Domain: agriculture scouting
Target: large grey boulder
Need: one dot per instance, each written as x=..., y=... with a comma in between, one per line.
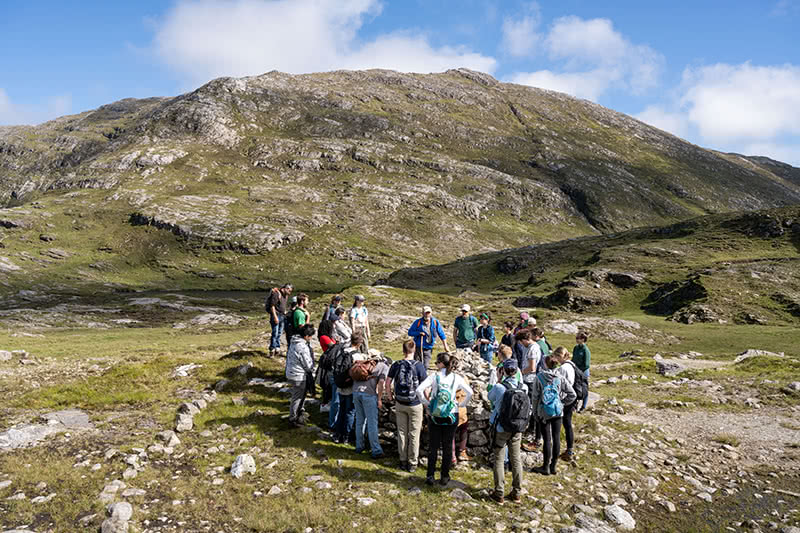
x=243, y=464
x=619, y=517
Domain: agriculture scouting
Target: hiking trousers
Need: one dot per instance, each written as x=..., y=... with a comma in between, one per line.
x=551, y=434
x=568, y=431
x=440, y=437
x=298, y=396
x=409, y=428
x=513, y=440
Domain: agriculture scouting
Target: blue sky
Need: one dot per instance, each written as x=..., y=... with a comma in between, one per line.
x=722, y=74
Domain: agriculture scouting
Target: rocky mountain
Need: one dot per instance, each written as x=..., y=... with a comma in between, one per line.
x=342, y=176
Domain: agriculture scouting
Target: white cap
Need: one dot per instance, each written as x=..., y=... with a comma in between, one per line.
x=466, y=308
x=427, y=309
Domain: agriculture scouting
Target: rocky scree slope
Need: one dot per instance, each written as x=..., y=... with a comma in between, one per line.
x=351, y=173
x=739, y=267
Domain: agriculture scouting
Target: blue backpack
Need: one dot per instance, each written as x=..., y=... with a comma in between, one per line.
x=551, y=401
x=444, y=409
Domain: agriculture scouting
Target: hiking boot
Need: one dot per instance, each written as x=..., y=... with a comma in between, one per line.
x=497, y=498
x=553, y=470
x=410, y=468
x=444, y=481
x=402, y=465
x=567, y=456
x=544, y=470
x=515, y=497
x=378, y=456
x=463, y=457
x=429, y=481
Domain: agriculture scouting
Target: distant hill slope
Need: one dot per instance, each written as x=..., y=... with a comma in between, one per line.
x=742, y=267
x=343, y=176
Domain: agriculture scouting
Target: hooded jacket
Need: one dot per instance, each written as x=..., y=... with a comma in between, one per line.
x=565, y=391
x=299, y=359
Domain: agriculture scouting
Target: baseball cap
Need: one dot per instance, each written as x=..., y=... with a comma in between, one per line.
x=511, y=363
x=360, y=297
x=427, y=309
x=465, y=307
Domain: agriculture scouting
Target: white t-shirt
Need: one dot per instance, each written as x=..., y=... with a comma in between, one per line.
x=567, y=371
x=453, y=381
x=359, y=316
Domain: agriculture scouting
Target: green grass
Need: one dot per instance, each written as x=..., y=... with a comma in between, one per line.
x=727, y=438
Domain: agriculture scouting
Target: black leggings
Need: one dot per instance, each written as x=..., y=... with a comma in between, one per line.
x=440, y=437
x=551, y=432
x=568, y=410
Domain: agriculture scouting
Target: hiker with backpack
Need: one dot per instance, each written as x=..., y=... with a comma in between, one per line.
x=496, y=375
x=330, y=396
x=299, y=369
x=581, y=356
x=368, y=378
x=487, y=343
x=401, y=387
x=424, y=331
x=550, y=393
x=329, y=311
x=465, y=327
x=300, y=315
x=359, y=321
x=511, y=411
x=438, y=394
x=275, y=305
x=528, y=356
x=345, y=417
x=544, y=346
x=572, y=375
x=508, y=335
x=288, y=325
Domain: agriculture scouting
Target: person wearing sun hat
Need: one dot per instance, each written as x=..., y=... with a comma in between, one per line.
x=523, y=322
x=424, y=331
x=465, y=328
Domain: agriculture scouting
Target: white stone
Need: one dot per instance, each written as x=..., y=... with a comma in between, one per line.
x=619, y=517
x=274, y=491
x=243, y=464
x=121, y=511
x=366, y=501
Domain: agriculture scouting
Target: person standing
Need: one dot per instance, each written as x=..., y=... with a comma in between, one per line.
x=424, y=331
x=465, y=329
x=300, y=315
x=443, y=410
x=582, y=358
x=359, y=320
x=276, y=307
x=487, y=342
x=330, y=310
x=345, y=417
x=503, y=436
x=551, y=393
x=367, y=394
x=299, y=369
x=401, y=387
x=341, y=329
x=528, y=357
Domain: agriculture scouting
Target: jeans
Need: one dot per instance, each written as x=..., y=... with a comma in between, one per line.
x=409, y=427
x=568, y=410
x=586, y=398
x=334, y=402
x=513, y=440
x=297, y=399
x=441, y=436
x=367, y=419
x=277, y=331
x=345, y=417
x=551, y=432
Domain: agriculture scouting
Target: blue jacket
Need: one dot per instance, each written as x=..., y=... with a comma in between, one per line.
x=488, y=334
x=416, y=333
x=496, y=398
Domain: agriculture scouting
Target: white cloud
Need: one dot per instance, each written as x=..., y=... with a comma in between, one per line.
x=743, y=102
x=12, y=113
x=203, y=39
x=788, y=153
x=520, y=36
x=594, y=59
x=675, y=123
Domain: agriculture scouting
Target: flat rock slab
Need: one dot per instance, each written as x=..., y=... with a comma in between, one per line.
x=30, y=434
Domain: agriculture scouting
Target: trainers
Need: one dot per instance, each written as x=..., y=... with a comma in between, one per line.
x=402, y=465
x=567, y=456
x=379, y=456
x=515, y=497
x=410, y=468
x=530, y=446
x=545, y=471
x=444, y=481
x=429, y=480
x=553, y=470
x=497, y=498
x=324, y=408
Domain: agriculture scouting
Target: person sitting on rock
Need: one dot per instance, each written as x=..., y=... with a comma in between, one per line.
x=299, y=369
x=506, y=443
x=438, y=394
x=401, y=387
x=465, y=327
x=424, y=331
x=550, y=415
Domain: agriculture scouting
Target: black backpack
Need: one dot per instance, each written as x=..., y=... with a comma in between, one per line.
x=341, y=369
x=327, y=359
x=515, y=409
x=581, y=385
x=406, y=382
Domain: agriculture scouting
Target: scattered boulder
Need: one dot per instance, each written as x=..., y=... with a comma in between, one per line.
x=748, y=354
x=119, y=515
x=619, y=517
x=696, y=313
x=5, y=355
x=673, y=296
x=669, y=368
x=243, y=464
x=183, y=422
x=511, y=265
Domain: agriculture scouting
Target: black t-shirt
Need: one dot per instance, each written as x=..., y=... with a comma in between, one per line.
x=419, y=369
x=277, y=300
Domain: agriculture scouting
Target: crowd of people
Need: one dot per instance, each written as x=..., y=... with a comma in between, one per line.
x=533, y=389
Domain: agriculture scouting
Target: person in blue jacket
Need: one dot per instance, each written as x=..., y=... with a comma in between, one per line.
x=424, y=331
x=486, y=341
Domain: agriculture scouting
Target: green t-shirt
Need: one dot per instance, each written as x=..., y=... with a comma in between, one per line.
x=298, y=318
x=465, y=329
x=581, y=356
x=543, y=345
